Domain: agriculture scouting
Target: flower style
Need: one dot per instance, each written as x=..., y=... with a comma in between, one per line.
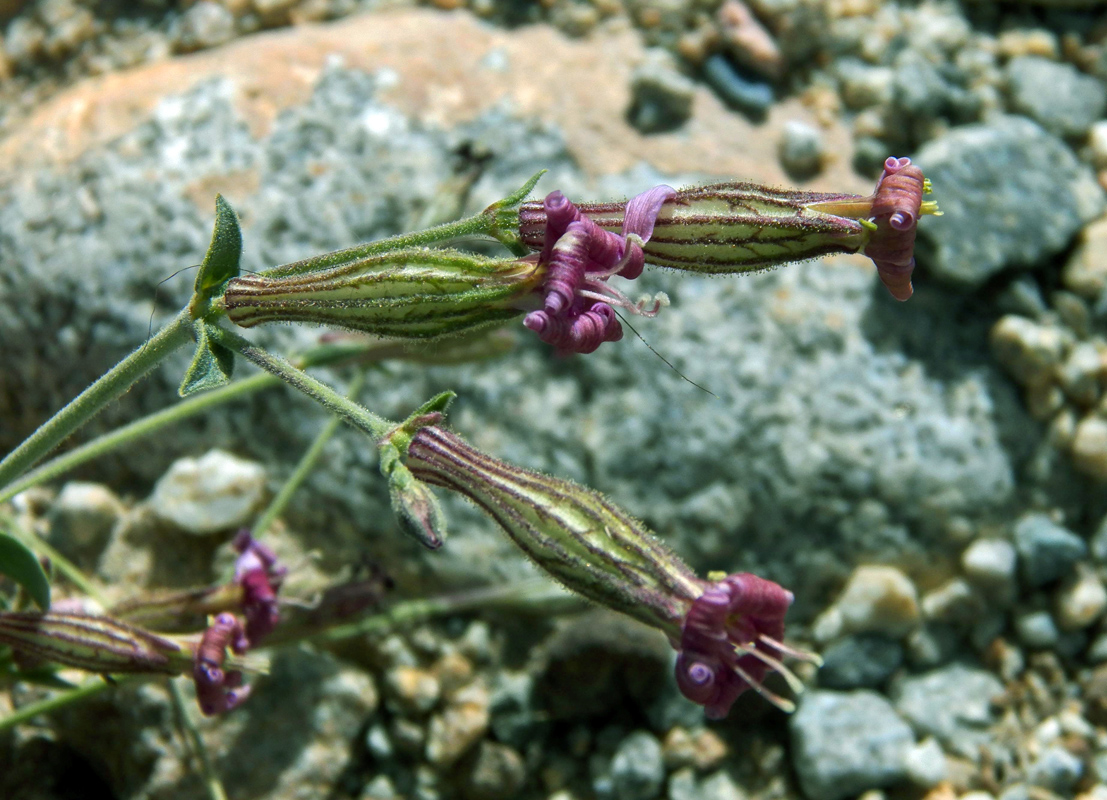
x=736, y=227
x=577, y=313
x=728, y=633
x=257, y=572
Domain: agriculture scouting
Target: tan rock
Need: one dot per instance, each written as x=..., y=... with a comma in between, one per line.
x=1089, y=447
x=460, y=726
x=1085, y=272
x=880, y=599
x=441, y=79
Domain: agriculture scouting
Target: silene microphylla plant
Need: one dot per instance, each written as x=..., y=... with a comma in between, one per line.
x=727, y=630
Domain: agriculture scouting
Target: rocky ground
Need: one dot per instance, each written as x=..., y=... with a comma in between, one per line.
x=928, y=477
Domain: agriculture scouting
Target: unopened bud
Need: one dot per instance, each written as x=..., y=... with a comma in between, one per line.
x=413, y=293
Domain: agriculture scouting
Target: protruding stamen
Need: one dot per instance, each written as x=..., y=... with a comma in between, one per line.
x=793, y=681
x=784, y=704
x=793, y=652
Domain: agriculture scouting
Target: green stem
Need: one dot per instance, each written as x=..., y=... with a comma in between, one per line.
x=92, y=400
x=207, y=769
x=541, y=594
x=53, y=703
x=306, y=465
x=102, y=445
x=360, y=417
x=137, y=430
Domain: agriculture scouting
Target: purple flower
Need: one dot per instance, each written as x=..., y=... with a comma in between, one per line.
x=731, y=638
x=219, y=691
x=257, y=572
x=895, y=211
x=728, y=633
x=577, y=313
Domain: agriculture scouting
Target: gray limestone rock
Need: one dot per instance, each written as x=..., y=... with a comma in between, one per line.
x=952, y=704
x=1057, y=96
x=845, y=743
x=1012, y=195
x=637, y=769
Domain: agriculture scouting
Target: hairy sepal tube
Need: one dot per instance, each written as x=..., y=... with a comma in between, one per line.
x=738, y=227
x=728, y=631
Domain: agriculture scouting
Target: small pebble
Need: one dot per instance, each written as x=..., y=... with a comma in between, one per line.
x=1037, y=629
x=1081, y=601
x=702, y=749
x=1089, y=447
x=1081, y=372
x=955, y=601
x=738, y=91
x=801, y=150
x=747, y=40
x=637, y=768
x=879, y=599
x=82, y=517
x=865, y=660
x=1055, y=769
x=1047, y=551
x=1031, y=352
x=990, y=563
x=412, y=689
x=206, y=24
x=216, y=492
x=661, y=96
x=459, y=726
x=926, y=764
x=496, y=773
x=1085, y=272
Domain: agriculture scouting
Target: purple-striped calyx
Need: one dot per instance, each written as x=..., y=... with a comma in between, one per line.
x=728, y=631
x=735, y=227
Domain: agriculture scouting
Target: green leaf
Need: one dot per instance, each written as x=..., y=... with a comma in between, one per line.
x=211, y=367
x=22, y=566
x=438, y=403
x=221, y=262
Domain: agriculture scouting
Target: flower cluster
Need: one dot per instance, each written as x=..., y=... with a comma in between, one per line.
x=259, y=576
x=578, y=307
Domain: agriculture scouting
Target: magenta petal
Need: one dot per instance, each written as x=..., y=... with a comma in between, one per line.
x=642, y=211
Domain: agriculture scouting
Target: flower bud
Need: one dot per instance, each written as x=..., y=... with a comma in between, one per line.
x=574, y=533
x=413, y=293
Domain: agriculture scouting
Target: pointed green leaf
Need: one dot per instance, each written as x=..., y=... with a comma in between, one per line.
x=22, y=566
x=221, y=262
x=211, y=367
x=438, y=403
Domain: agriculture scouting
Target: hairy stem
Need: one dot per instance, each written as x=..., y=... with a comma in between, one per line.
x=356, y=415
x=92, y=400
x=305, y=466
x=144, y=426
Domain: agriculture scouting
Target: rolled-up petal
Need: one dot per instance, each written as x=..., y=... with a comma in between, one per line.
x=415, y=293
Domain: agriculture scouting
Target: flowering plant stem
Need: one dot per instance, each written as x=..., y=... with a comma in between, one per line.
x=92, y=400
x=360, y=417
x=305, y=466
x=151, y=423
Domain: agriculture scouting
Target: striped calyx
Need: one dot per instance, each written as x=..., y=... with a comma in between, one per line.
x=580, y=538
x=412, y=293
x=728, y=631
x=729, y=227
x=736, y=227
x=93, y=643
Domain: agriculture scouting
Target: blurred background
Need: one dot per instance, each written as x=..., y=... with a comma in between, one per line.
x=927, y=477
